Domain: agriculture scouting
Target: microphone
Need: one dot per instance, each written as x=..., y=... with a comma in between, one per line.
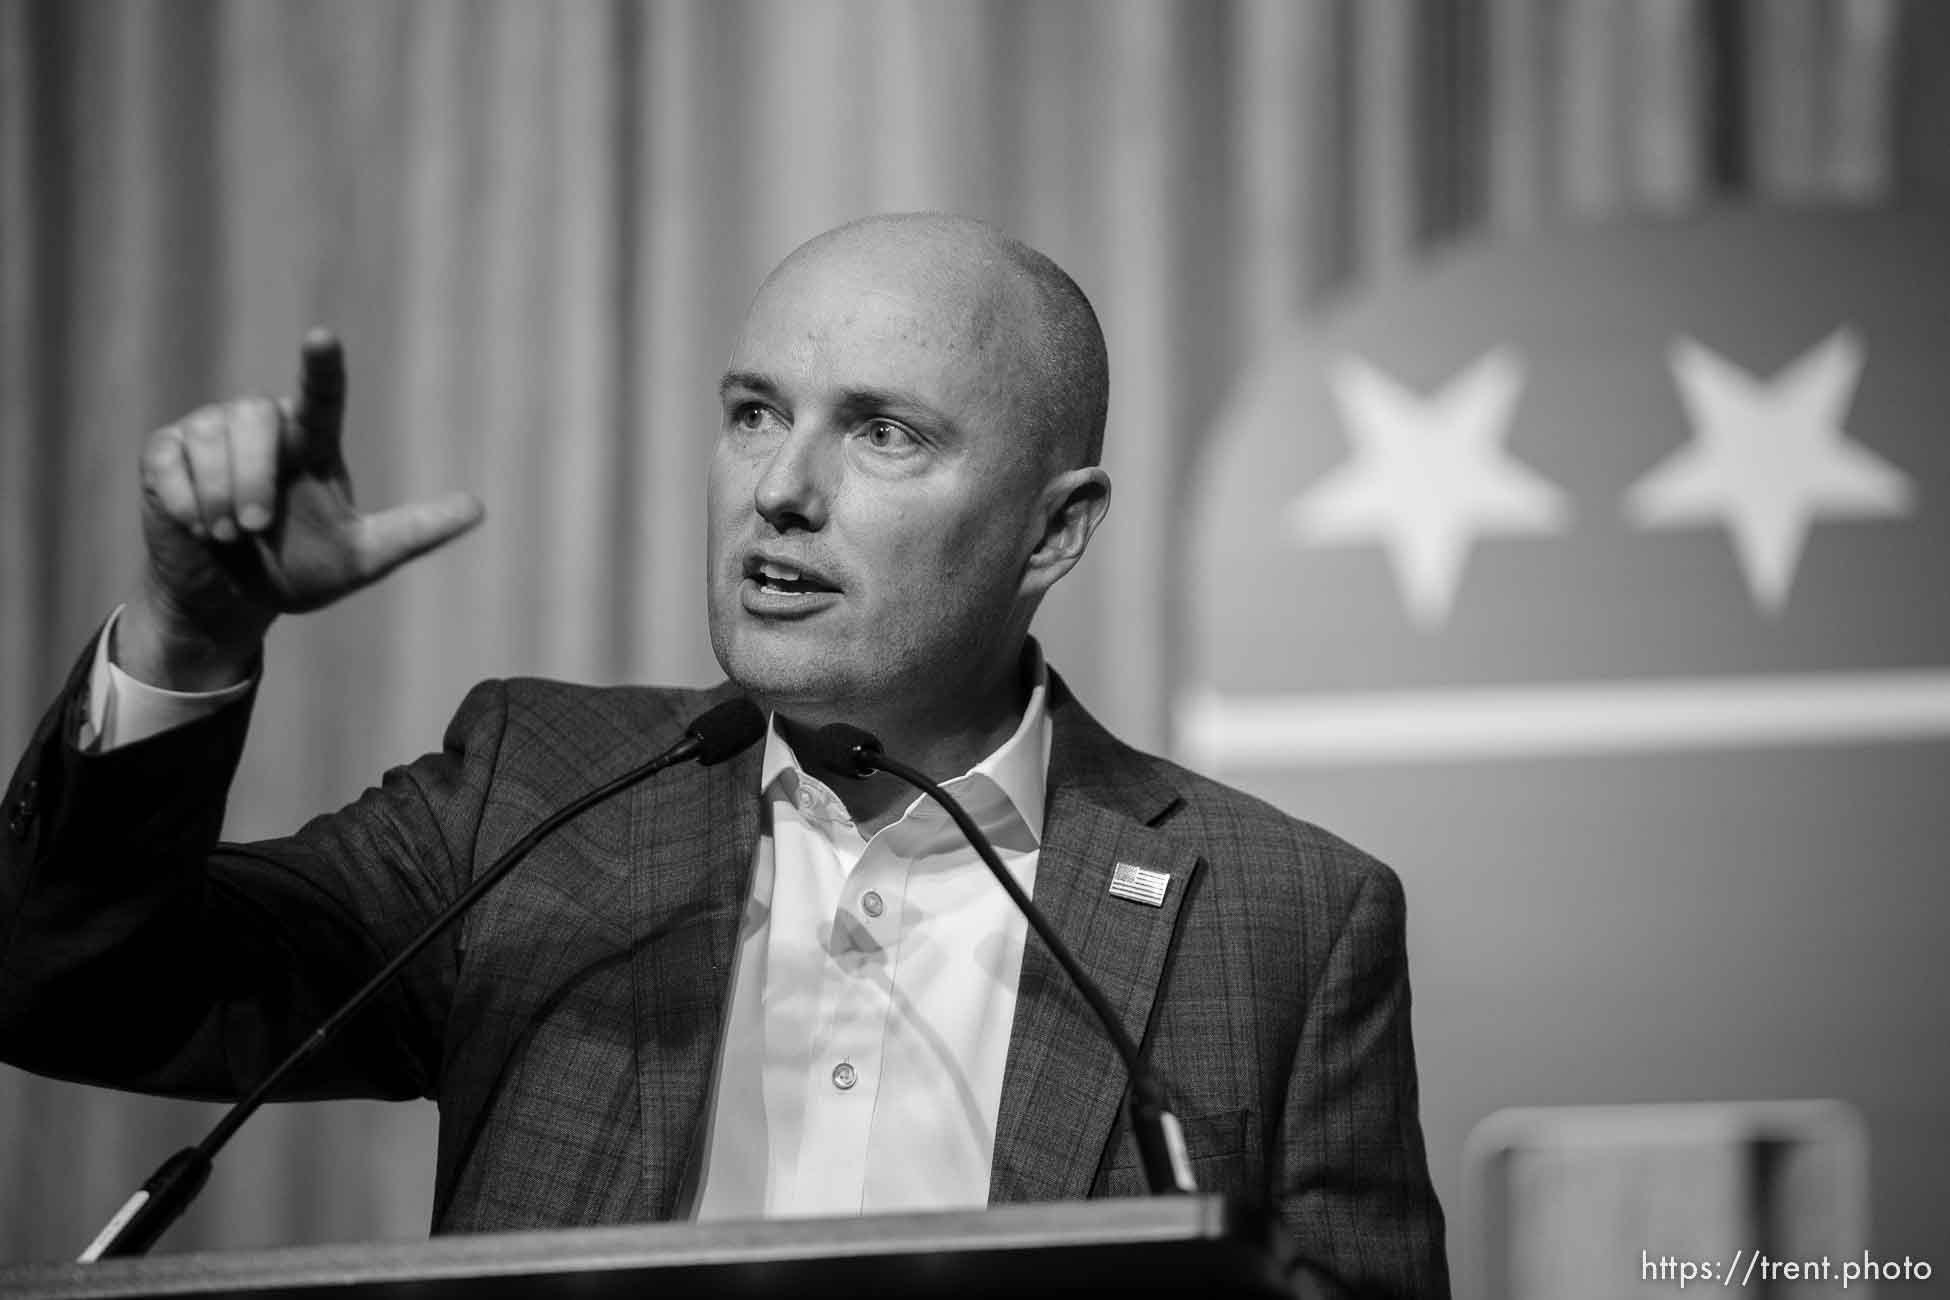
x=1161, y=1143
x=714, y=736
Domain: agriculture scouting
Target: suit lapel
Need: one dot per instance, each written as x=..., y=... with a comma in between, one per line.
x=693, y=832
x=1064, y=1083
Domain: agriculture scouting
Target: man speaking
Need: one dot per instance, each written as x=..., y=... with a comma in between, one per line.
x=766, y=987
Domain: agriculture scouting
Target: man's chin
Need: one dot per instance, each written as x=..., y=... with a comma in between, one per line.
x=808, y=687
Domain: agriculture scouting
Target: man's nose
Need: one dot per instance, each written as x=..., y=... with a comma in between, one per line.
x=792, y=491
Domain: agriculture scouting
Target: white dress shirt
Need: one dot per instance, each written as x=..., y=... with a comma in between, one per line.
x=865, y=1038
x=861, y=1067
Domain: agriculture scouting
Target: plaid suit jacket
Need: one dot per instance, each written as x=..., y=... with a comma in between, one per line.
x=569, y=1025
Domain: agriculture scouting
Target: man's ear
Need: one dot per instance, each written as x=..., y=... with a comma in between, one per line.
x=1073, y=504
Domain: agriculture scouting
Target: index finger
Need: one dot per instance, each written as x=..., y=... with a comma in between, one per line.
x=321, y=388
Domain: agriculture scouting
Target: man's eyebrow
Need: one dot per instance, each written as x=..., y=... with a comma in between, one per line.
x=750, y=380
x=885, y=399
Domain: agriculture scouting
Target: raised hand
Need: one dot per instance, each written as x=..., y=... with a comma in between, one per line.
x=247, y=513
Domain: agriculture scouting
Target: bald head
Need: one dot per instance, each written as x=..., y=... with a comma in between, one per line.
x=1006, y=296
x=912, y=414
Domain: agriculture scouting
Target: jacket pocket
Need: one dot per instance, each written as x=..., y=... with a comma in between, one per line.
x=1221, y=1145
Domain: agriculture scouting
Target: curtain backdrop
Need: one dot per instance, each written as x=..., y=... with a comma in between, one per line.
x=536, y=224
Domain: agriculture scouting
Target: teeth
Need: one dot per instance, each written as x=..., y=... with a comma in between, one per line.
x=778, y=572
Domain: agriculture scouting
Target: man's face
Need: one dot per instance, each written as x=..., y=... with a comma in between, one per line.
x=873, y=495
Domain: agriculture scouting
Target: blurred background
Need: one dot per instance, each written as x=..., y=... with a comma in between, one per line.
x=1646, y=711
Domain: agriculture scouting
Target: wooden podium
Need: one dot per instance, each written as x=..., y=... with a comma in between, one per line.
x=1197, y=1245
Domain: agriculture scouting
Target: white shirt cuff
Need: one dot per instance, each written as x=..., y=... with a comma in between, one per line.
x=122, y=710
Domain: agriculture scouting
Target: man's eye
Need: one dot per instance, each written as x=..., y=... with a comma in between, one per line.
x=885, y=435
x=749, y=416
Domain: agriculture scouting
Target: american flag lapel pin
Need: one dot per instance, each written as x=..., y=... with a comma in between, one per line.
x=1139, y=884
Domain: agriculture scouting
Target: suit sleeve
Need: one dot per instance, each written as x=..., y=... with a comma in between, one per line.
x=139, y=952
x=1359, y=1201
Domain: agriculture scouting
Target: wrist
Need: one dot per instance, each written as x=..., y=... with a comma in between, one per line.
x=157, y=645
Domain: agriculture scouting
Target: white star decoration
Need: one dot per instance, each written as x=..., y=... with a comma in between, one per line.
x=1427, y=477
x=1768, y=458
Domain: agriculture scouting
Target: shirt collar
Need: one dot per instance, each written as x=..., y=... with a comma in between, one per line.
x=1019, y=767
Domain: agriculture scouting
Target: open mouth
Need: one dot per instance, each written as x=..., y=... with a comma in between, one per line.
x=782, y=579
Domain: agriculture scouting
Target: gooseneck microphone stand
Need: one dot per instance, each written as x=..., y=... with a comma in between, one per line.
x=716, y=735
x=1161, y=1144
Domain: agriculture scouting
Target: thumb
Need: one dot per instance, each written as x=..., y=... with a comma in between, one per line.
x=389, y=538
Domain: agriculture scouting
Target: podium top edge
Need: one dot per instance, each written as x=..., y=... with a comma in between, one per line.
x=1207, y=1219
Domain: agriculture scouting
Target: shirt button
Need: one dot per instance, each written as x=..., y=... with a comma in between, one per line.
x=871, y=903
x=845, y=1076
